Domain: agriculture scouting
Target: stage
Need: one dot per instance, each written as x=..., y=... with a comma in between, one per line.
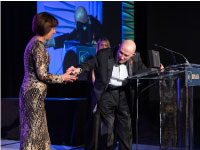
x=14, y=145
x=69, y=115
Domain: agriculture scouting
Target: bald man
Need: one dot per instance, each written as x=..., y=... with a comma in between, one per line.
x=112, y=67
x=81, y=15
x=88, y=29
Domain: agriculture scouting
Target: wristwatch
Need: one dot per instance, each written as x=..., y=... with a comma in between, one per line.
x=80, y=70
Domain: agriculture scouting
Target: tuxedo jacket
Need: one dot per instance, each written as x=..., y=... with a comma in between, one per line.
x=103, y=63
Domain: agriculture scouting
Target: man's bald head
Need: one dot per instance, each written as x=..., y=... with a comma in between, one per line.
x=129, y=46
x=81, y=15
x=126, y=50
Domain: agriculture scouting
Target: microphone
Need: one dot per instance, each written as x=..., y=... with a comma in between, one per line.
x=169, y=50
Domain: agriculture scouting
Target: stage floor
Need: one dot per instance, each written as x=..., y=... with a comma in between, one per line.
x=14, y=145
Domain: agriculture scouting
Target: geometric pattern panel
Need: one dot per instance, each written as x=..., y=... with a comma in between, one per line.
x=128, y=20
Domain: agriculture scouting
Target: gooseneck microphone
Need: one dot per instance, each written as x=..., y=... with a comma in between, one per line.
x=169, y=50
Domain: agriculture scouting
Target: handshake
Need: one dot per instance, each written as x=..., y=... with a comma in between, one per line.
x=71, y=74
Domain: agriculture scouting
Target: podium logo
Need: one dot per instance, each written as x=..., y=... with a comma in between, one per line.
x=83, y=55
x=189, y=76
x=195, y=76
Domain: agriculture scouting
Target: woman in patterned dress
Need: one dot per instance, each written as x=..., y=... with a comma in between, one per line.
x=33, y=124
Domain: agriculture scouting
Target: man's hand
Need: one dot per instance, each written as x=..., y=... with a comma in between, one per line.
x=162, y=69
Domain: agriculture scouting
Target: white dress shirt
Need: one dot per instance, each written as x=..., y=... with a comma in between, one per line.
x=119, y=74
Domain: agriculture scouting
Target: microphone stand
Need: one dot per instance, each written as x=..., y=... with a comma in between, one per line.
x=174, y=59
x=173, y=52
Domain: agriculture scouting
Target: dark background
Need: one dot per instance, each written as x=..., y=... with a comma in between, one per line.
x=175, y=25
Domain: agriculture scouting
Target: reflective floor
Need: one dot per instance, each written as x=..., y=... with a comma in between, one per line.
x=14, y=145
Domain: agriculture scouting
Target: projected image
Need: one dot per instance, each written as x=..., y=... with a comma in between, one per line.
x=80, y=26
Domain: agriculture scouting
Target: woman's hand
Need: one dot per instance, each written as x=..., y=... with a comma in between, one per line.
x=68, y=77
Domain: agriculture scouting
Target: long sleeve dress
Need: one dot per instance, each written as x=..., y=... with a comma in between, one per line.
x=33, y=124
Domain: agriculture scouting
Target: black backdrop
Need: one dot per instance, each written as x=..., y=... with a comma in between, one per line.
x=174, y=25
x=16, y=20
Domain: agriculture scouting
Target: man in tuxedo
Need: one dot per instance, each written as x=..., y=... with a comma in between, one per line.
x=88, y=30
x=112, y=67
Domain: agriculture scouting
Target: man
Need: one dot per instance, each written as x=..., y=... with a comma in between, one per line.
x=112, y=67
x=88, y=30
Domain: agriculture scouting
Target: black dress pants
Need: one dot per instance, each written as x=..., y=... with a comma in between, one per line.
x=113, y=106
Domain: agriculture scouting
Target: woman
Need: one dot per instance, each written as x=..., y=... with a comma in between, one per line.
x=33, y=124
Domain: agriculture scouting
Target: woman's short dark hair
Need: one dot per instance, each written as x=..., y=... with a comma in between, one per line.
x=42, y=23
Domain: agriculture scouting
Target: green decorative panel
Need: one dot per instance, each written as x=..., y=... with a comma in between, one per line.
x=128, y=20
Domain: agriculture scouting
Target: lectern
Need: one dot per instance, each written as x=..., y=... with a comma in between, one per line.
x=77, y=53
x=175, y=88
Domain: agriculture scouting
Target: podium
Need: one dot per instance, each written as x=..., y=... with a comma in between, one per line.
x=77, y=53
x=175, y=94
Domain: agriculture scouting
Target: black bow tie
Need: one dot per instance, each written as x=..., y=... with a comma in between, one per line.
x=118, y=64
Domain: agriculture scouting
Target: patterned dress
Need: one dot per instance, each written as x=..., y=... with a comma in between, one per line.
x=33, y=124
